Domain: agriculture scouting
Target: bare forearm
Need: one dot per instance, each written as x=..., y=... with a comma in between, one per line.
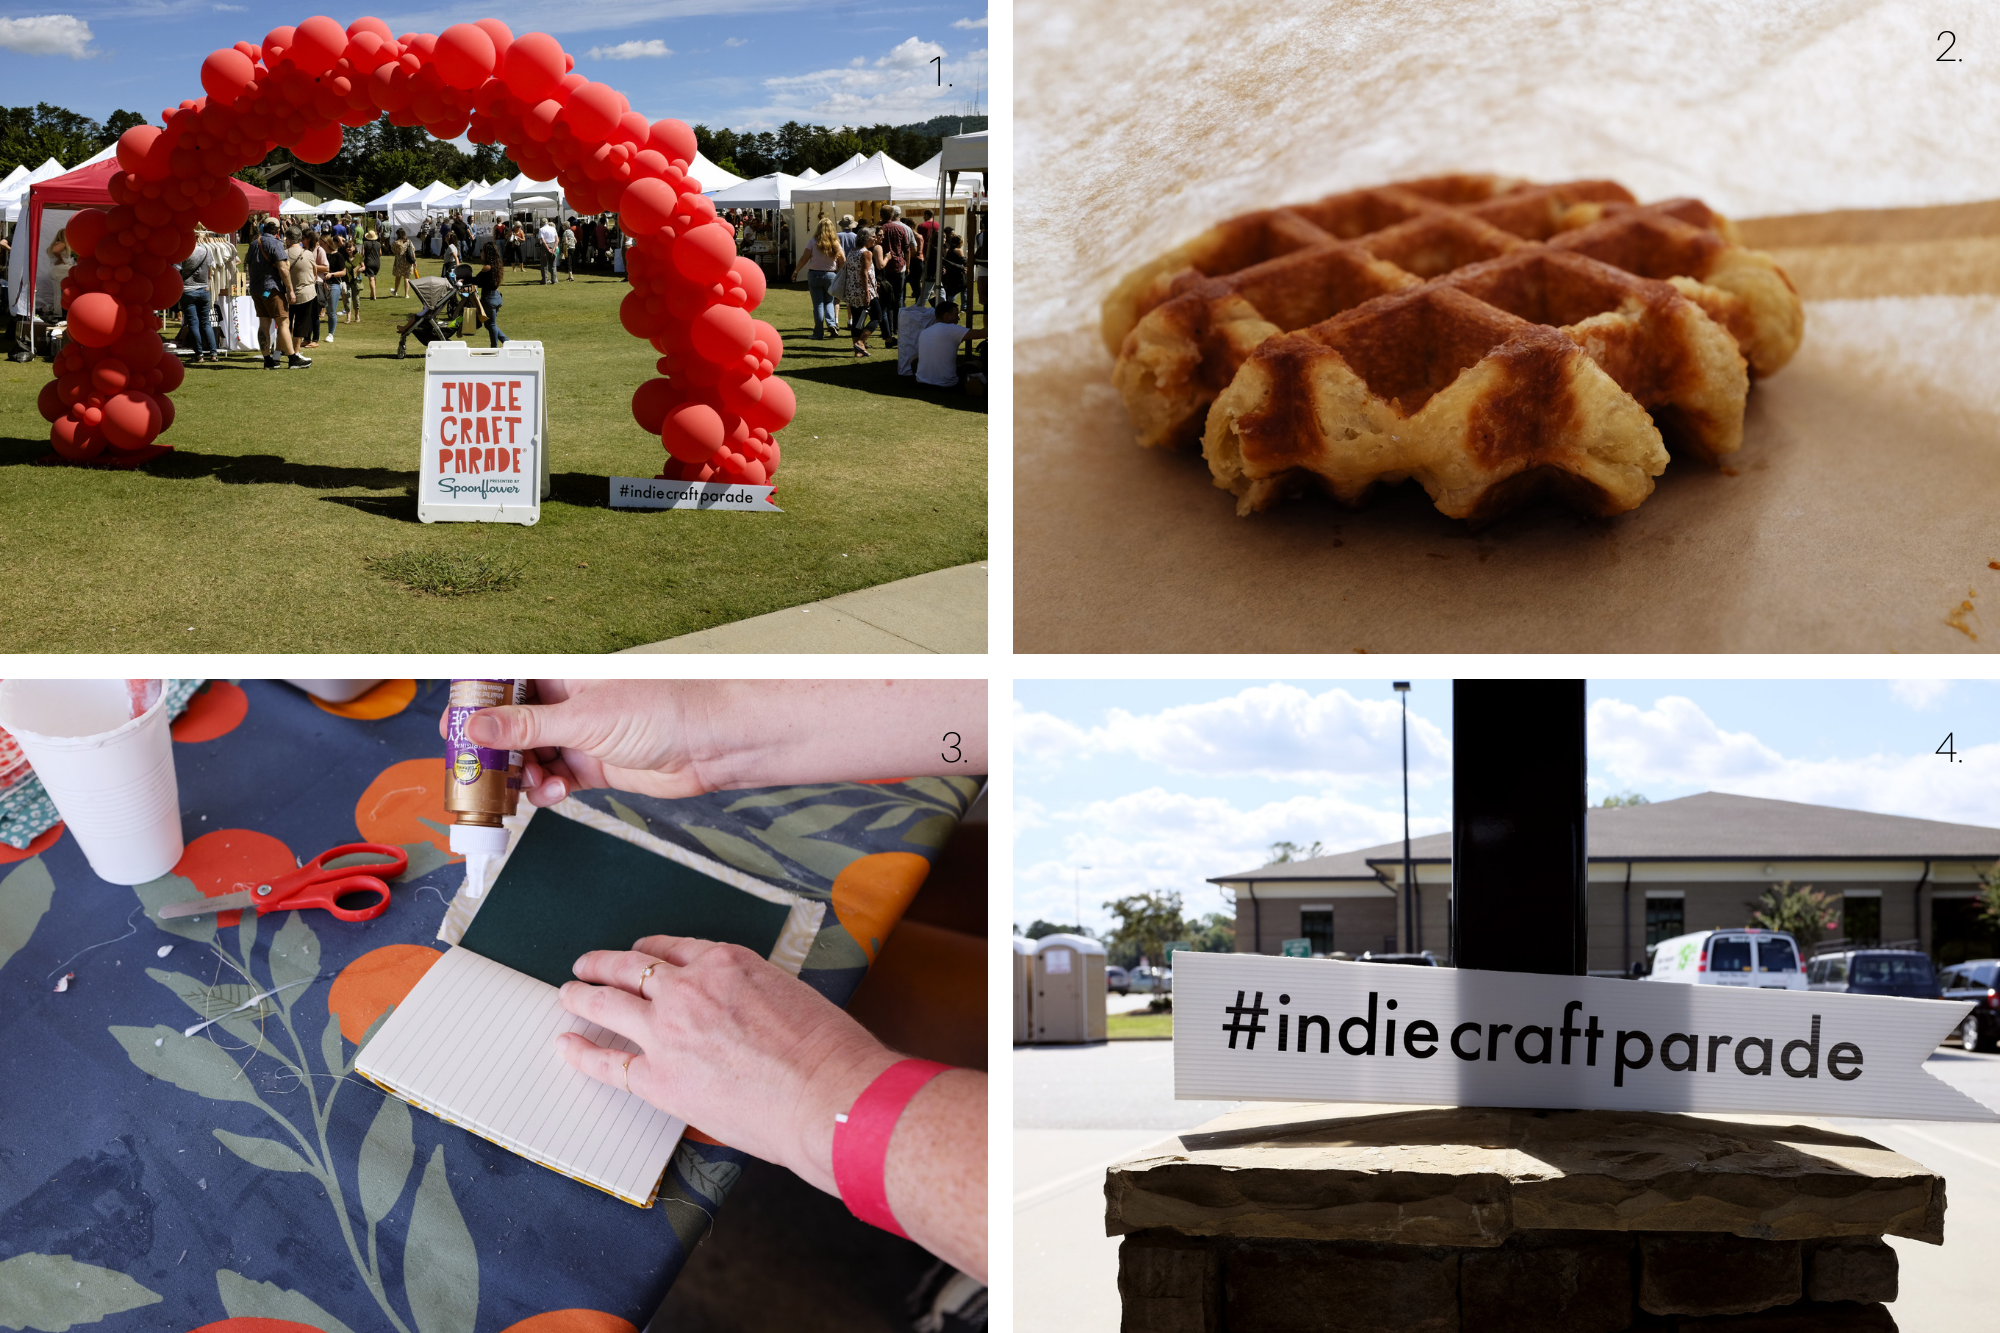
x=813, y=731
x=936, y=1172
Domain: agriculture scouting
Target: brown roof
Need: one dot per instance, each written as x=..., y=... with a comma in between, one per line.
x=1713, y=826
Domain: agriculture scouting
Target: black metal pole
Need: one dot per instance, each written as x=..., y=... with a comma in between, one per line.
x=1517, y=839
x=1410, y=940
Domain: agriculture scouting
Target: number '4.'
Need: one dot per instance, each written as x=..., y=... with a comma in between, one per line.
x=1945, y=749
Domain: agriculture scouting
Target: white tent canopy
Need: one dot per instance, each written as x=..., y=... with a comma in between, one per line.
x=14, y=193
x=808, y=175
x=410, y=210
x=340, y=206
x=292, y=208
x=968, y=183
x=879, y=177
x=768, y=191
x=965, y=152
x=395, y=196
x=712, y=177
x=109, y=150
x=462, y=197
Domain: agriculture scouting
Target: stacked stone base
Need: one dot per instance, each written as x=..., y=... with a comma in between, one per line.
x=1537, y=1282
x=1289, y=1219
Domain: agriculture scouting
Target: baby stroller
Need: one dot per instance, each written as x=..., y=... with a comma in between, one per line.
x=442, y=322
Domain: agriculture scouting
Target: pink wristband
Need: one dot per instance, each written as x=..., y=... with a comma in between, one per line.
x=861, y=1140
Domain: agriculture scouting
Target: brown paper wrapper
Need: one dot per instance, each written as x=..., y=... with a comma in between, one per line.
x=1862, y=514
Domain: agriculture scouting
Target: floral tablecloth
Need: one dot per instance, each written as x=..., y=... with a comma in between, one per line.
x=242, y=1181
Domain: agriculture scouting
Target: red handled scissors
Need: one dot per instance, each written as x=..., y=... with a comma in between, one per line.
x=313, y=884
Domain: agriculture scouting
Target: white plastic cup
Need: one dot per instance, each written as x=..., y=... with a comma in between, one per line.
x=111, y=775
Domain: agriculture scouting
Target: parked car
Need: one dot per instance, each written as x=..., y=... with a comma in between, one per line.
x=1118, y=979
x=1151, y=980
x=1976, y=981
x=1904, y=972
x=1763, y=959
x=1424, y=959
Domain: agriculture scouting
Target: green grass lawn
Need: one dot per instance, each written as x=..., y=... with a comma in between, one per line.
x=285, y=518
x=1128, y=1026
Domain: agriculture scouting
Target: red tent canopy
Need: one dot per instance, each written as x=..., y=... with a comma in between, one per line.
x=90, y=187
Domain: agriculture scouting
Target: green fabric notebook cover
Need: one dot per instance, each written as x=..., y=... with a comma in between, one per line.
x=567, y=889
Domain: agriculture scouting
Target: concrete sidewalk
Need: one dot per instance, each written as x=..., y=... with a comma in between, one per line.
x=943, y=611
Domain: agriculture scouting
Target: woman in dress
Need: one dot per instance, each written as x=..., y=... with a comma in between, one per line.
x=858, y=291
x=371, y=261
x=488, y=283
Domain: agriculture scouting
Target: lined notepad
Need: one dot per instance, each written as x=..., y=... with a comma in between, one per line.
x=475, y=1044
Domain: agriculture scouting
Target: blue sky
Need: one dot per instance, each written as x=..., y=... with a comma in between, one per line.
x=747, y=65
x=1163, y=784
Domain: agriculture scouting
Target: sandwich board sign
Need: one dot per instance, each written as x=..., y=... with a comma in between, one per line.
x=1252, y=1027
x=485, y=434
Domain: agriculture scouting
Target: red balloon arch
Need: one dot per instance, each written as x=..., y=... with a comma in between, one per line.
x=716, y=404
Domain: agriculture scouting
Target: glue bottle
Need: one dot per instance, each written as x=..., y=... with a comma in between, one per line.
x=482, y=786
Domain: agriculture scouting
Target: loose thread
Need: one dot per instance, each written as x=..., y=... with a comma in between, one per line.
x=255, y=999
x=131, y=929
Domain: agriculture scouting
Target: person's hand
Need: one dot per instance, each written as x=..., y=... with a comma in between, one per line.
x=633, y=735
x=728, y=1042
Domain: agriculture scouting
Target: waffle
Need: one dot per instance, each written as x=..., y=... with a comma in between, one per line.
x=1493, y=339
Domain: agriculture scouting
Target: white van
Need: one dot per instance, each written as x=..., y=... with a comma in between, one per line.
x=1762, y=959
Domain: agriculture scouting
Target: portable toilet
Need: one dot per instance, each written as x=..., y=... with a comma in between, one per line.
x=1024, y=982
x=1068, y=1000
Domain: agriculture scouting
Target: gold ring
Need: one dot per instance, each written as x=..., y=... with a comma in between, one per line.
x=642, y=980
x=628, y=1071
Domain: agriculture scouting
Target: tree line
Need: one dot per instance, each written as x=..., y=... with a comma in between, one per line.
x=31, y=135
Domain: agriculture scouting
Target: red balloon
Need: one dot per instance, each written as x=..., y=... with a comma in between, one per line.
x=651, y=402
x=532, y=66
x=85, y=230
x=172, y=372
x=139, y=348
x=110, y=375
x=672, y=139
x=694, y=433
x=276, y=43
x=317, y=45
x=76, y=441
x=774, y=343
x=226, y=73
x=694, y=208
x=227, y=210
x=321, y=143
x=167, y=290
x=540, y=121
x=723, y=333
x=96, y=319
x=704, y=252
x=750, y=279
x=502, y=35
x=646, y=207
x=134, y=145
x=740, y=393
x=131, y=420
x=375, y=26
x=592, y=110
x=639, y=321
x=776, y=406
x=50, y=404
x=633, y=129
x=465, y=55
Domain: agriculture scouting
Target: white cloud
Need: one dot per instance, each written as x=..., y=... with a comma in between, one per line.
x=47, y=35
x=898, y=86
x=969, y=23
x=232, y=9
x=736, y=41
x=629, y=50
x=1675, y=742
x=910, y=54
x=1156, y=840
x=1279, y=732
x=1919, y=694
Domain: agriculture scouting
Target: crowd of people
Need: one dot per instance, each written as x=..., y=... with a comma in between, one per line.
x=872, y=269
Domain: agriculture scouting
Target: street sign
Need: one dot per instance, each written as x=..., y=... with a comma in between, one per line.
x=485, y=434
x=1257, y=1028
x=1295, y=948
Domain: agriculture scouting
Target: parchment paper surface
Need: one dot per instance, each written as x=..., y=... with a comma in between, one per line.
x=1864, y=509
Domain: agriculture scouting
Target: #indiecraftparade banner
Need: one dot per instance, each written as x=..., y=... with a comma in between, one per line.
x=1250, y=1027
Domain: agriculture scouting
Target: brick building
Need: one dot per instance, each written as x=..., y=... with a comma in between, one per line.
x=1657, y=870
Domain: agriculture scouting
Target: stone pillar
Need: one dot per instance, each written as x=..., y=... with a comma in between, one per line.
x=1467, y=1220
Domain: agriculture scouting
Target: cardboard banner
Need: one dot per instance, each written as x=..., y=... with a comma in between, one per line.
x=485, y=434
x=654, y=493
x=1249, y=1027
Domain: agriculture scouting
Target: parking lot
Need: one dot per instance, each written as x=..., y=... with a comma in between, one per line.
x=1078, y=1109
